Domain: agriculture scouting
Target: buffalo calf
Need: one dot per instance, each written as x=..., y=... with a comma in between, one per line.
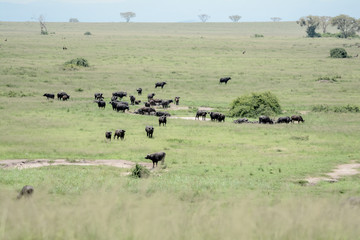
x=108, y=135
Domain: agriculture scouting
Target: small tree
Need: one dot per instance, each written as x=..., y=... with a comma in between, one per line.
x=275, y=19
x=43, y=29
x=73, y=20
x=324, y=22
x=127, y=15
x=204, y=17
x=347, y=25
x=311, y=23
x=235, y=18
x=338, y=53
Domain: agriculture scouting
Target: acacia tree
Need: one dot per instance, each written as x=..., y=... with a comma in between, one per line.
x=73, y=20
x=311, y=23
x=275, y=19
x=43, y=28
x=204, y=17
x=324, y=22
x=127, y=15
x=347, y=25
x=235, y=18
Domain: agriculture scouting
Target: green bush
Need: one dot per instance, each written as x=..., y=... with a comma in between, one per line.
x=78, y=62
x=254, y=105
x=140, y=171
x=87, y=33
x=258, y=35
x=338, y=53
x=337, y=109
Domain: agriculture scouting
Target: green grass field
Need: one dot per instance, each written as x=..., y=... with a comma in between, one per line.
x=220, y=180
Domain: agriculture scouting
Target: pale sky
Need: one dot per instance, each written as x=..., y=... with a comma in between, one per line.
x=173, y=10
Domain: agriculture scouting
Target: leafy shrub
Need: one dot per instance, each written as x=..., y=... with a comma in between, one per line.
x=258, y=35
x=337, y=109
x=140, y=171
x=87, y=33
x=254, y=105
x=338, y=53
x=78, y=62
x=43, y=32
x=310, y=31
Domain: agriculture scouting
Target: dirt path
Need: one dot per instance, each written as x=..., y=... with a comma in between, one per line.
x=24, y=163
x=342, y=170
x=189, y=118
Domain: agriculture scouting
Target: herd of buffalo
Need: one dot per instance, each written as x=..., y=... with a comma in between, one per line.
x=121, y=106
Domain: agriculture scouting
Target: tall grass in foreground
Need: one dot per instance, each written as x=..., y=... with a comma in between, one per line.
x=122, y=215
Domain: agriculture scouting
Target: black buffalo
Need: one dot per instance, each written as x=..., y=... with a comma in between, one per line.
x=137, y=102
x=224, y=80
x=159, y=114
x=162, y=120
x=156, y=157
x=65, y=97
x=119, y=133
x=215, y=116
x=150, y=96
x=297, y=118
x=201, y=113
x=147, y=110
x=121, y=107
x=26, y=191
x=115, y=103
x=98, y=96
x=160, y=84
x=165, y=103
x=60, y=95
x=108, y=135
x=265, y=120
x=120, y=94
x=177, y=99
x=139, y=91
x=49, y=95
x=149, y=131
x=283, y=120
x=101, y=103
x=132, y=99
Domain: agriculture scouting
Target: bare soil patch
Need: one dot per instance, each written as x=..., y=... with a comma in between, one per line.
x=340, y=171
x=24, y=163
x=188, y=118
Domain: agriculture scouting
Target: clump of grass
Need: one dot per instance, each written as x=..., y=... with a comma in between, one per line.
x=300, y=138
x=87, y=33
x=256, y=35
x=140, y=171
x=12, y=94
x=77, y=62
x=79, y=90
x=349, y=108
x=328, y=78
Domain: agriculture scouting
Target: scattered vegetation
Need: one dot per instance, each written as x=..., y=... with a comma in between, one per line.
x=254, y=105
x=77, y=62
x=258, y=35
x=140, y=171
x=79, y=90
x=87, y=33
x=338, y=109
x=338, y=53
x=330, y=79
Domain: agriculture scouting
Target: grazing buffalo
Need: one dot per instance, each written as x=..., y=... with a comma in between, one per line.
x=162, y=120
x=265, y=119
x=114, y=98
x=120, y=94
x=215, y=116
x=98, y=96
x=121, y=107
x=159, y=114
x=137, y=102
x=224, y=80
x=119, y=133
x=115, y=103
x=108, y=135
x=283, y=120
x=26, y=191
x=165, y=103
x=132, y=99
x=201, y=114
x=297, y=118
x=149, y=131
x=49, y=95
x=156, y=157
x=177, y=99
x=65, y=97
x=60, y=95
x=160, y=84
x=241, y=120
x=150, y=96
x=147, y=104
x=100, y=103
x=139, y=91
x=147, y=110
x=221, y=117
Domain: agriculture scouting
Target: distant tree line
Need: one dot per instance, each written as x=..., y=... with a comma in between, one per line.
x=347, y=25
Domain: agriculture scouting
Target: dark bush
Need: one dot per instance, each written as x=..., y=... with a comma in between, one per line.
x=140, y=171
x=258, y=35
x=78, y=62
x=254, y=105
x=87, y=33
x=310, y=31
x=338, y=53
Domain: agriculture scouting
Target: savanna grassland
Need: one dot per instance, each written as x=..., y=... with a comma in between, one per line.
x=220, y=180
